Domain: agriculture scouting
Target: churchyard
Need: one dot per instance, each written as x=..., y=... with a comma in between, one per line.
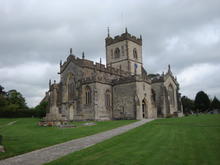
x=188, y=140
x=21, y=135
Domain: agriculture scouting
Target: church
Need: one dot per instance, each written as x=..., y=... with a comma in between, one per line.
x=121, y=89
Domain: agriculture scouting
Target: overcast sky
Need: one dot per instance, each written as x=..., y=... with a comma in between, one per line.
x=36, y=34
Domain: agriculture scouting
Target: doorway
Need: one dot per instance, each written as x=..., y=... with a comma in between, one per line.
x=144, y=108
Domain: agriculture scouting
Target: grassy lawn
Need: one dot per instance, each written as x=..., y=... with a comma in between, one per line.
x=24, y=135
x=177, y=141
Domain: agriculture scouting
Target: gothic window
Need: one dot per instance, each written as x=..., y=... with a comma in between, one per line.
x=135, y=53
x=107, y=99
x=69, y=88
x=153, y=95
x=122, y=50
x=112, y=53
x=117, y=53
x=70, y=91
x=88, y=95
x=171, y=94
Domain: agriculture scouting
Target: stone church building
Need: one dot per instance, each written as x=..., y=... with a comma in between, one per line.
x=121, y=89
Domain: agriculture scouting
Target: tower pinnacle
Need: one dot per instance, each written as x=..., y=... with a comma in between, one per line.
x=126, y=30
x=83, y=55
x=71, y=51
x=108, y=32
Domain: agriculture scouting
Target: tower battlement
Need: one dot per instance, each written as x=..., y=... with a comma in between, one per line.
x=124, y=36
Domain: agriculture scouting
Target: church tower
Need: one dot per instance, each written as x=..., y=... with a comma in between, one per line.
x=125, y=52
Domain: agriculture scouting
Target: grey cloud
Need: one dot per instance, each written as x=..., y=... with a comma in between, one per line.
x=42, y=31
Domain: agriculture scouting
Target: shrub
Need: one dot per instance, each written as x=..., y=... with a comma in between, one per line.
x=169, y=116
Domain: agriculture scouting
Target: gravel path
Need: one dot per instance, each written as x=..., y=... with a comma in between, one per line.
x=48, y=154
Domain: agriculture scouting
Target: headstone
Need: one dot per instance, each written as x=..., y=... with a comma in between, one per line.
x=2, y=149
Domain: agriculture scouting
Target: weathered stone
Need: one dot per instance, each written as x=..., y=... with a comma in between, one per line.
x=120, y=90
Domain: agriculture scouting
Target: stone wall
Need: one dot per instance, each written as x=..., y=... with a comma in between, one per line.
x=86, y=111
x=123, y=101
x=102, y=112
x=169, y=81
x=144, y=93
x=134, y=95
x=159, y=90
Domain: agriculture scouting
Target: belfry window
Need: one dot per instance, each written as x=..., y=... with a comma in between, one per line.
x=88, y=95
x=135, y=53
x=117, y=53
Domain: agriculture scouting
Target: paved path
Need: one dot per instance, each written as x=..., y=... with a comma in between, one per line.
x=48, y=154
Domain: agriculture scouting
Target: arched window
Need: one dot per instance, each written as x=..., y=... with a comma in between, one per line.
x=122, y=50
x=117, y=53
x=135, y=53
x=153, y=95
x=88, y=95
x=171, y=94
x=69, y=88
x=108, y=99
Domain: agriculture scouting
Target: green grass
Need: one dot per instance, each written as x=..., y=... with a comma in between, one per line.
x=176, y=141
x=24, y=135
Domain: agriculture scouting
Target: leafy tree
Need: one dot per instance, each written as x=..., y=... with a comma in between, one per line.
x=41, y=109
x=12, y=104
x=215, y=104
x=202, y=102
x=2, y=92
x=188, y=105
x=16, y=98
x=3, y=102
x=3, y=98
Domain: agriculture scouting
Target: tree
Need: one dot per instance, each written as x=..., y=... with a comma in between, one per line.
x=202, y=102
x=3, y=102
x=188, y=105
x=41, y=109
x=16, y=98
x=215, y=104
x=2, y=92
x=3, y=99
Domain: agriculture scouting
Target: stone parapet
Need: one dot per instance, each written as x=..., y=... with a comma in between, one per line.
x=95, y=79
x=132, y=78
x=90, y=64
x=124, y=36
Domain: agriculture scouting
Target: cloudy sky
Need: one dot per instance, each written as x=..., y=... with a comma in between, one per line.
x=36, y=34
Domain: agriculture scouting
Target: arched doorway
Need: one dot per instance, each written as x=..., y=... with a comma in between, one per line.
x=144, y=109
